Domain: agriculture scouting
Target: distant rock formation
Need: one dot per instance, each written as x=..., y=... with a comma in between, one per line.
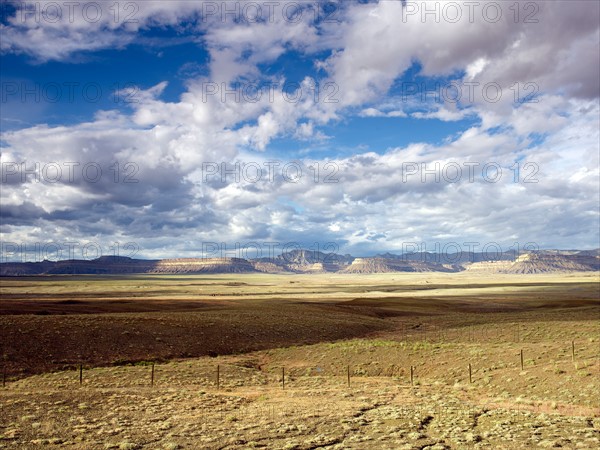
x=489, y=266
x=304, y=261
x=123, y=265
x=385, y=265
x=312, y=262
x=203, y=265
x=543, y=262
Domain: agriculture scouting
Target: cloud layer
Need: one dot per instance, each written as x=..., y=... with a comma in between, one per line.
x=163, y=183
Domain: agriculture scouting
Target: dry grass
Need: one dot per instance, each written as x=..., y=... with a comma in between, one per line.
x=315, y=327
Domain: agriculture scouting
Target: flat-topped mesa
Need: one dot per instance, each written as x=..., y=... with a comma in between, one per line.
x=102, y=266
x=368, y=265
x=203, y=265
x=384, y=265
x=221, y=260
x=529, y=263
x=489, y=266
x=533, y=263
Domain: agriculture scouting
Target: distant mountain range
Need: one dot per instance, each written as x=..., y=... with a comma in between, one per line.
x=307, y=261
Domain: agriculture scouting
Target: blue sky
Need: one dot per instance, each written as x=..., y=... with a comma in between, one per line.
x=361, y=101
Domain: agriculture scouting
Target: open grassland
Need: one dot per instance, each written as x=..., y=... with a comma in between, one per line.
x=223, y=345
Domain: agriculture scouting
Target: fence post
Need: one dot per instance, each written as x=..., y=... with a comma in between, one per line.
x=573, y=351
x=152, y=376
x=411, y=375
x=521, y=359
x=348, y=373
x=218, y=376
x=470, y=374
x=80, y=374
x=283, y=378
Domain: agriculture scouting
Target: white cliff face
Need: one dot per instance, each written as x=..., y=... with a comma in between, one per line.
x=490, y=266
x=524, y=257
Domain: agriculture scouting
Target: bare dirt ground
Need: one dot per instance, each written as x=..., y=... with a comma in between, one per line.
x=344, y=345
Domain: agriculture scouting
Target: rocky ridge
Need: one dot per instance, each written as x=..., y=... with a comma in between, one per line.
x=307, y=261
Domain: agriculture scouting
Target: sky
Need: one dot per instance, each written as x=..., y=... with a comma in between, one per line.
x=159, y=129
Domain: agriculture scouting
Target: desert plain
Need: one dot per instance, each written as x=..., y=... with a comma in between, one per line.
x=303, y=361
